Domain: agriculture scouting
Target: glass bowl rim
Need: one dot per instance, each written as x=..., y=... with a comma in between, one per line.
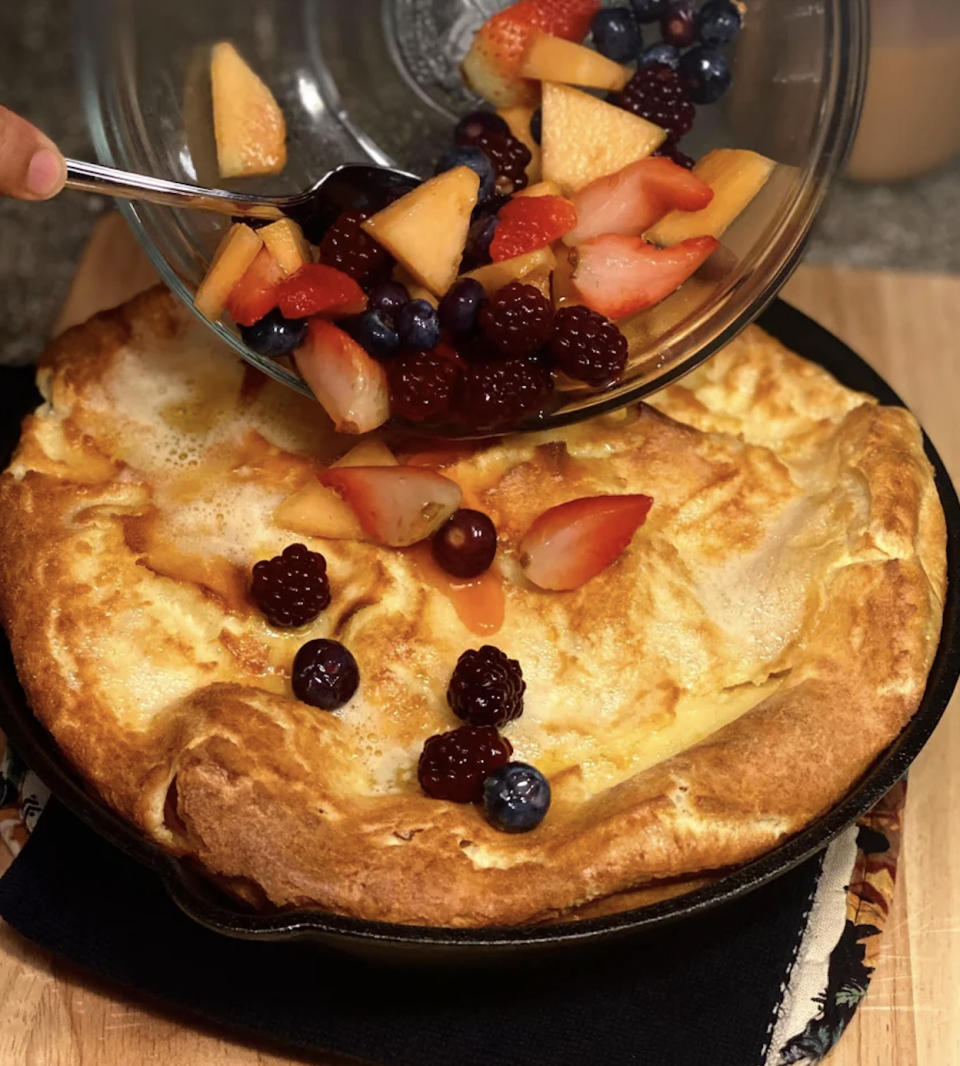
x=846, y=61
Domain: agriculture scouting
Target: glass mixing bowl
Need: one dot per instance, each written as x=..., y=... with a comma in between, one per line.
x=378, y=80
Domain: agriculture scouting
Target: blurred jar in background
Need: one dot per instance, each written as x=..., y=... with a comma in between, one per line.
x=911, y=116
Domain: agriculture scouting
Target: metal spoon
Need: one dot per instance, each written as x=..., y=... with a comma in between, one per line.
x=336, y=191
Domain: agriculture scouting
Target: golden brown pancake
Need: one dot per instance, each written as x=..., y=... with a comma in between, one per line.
x=722, y=684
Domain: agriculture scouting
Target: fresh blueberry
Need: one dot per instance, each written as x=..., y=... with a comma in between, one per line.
x=478, y=161
x=418, y=325
x=461, y=305
x=720, y=22
x=536, y=125
x=616, y=34
x=649, y=10
x=274, y=335
x=705, y=75
x=477, y=251
x=325, y=674
x=387, y=298
x=372, y=332
x=679, y=24
x=516, y=798
x=490, y=207
x=661, y=54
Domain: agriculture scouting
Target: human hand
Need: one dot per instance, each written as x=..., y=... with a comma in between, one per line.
x=31, y=168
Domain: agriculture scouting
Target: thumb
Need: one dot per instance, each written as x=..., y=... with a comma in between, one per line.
x=31, y=168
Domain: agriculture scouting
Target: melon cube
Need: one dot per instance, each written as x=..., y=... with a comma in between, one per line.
x=585, y=138
x=237, y=250
x=426, y=230
x=249, y=126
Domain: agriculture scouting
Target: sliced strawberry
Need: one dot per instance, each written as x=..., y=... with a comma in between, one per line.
x=573, y=542
x=618, y=276
x=492, y=66
x=529, y=223
x=630, y=201
x=256, y=293
x=350, y=385
x=316, y=289
x=396, y=505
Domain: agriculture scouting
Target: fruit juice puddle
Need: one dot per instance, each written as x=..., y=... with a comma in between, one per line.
x=479, y=601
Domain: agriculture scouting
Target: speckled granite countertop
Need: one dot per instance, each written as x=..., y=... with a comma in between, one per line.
x=909, y=227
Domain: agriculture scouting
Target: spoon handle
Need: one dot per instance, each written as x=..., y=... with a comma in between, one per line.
x=91, y=177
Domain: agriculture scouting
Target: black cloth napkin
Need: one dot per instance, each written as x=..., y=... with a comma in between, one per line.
x=700, y=993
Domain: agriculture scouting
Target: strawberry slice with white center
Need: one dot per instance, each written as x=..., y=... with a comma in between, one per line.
x=350, y=385
x=618, y=276
x=635, y=198
x=395, y=505
x=575, y=541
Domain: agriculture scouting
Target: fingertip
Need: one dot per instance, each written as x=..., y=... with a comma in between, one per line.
x=46, y=173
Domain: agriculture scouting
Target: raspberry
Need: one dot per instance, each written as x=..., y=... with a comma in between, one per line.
x=422, y=385
x=671, y=151
x=291, y=589
x=348, y=248
x=516, y=319
x=495, y=395
x=510, y=157
x=656, y=94
x=588, y=347
x=486, y=688
x=453, y=765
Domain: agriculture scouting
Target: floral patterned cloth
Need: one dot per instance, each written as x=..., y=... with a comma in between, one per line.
x=836, y=951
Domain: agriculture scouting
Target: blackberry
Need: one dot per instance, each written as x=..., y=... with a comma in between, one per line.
x=348, y=248
x=588, y=347
x=510, y=158
x=325, y=674
x=656, y=94
x=486, y=688
x=516, y=319
x=516, y=798
x=291, y=589
x=466, y=544
x=422, y=385
x=495, y=395
x=671, y=151
x=454, y=765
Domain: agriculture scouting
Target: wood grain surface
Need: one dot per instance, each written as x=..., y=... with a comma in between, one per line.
x=908, y=327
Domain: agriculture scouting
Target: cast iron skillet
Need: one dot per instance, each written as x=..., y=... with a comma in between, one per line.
x=202, y=902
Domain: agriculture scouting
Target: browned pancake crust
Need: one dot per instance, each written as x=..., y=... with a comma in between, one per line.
x=266, y=793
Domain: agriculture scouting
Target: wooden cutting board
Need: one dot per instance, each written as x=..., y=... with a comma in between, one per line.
x=908, y=327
